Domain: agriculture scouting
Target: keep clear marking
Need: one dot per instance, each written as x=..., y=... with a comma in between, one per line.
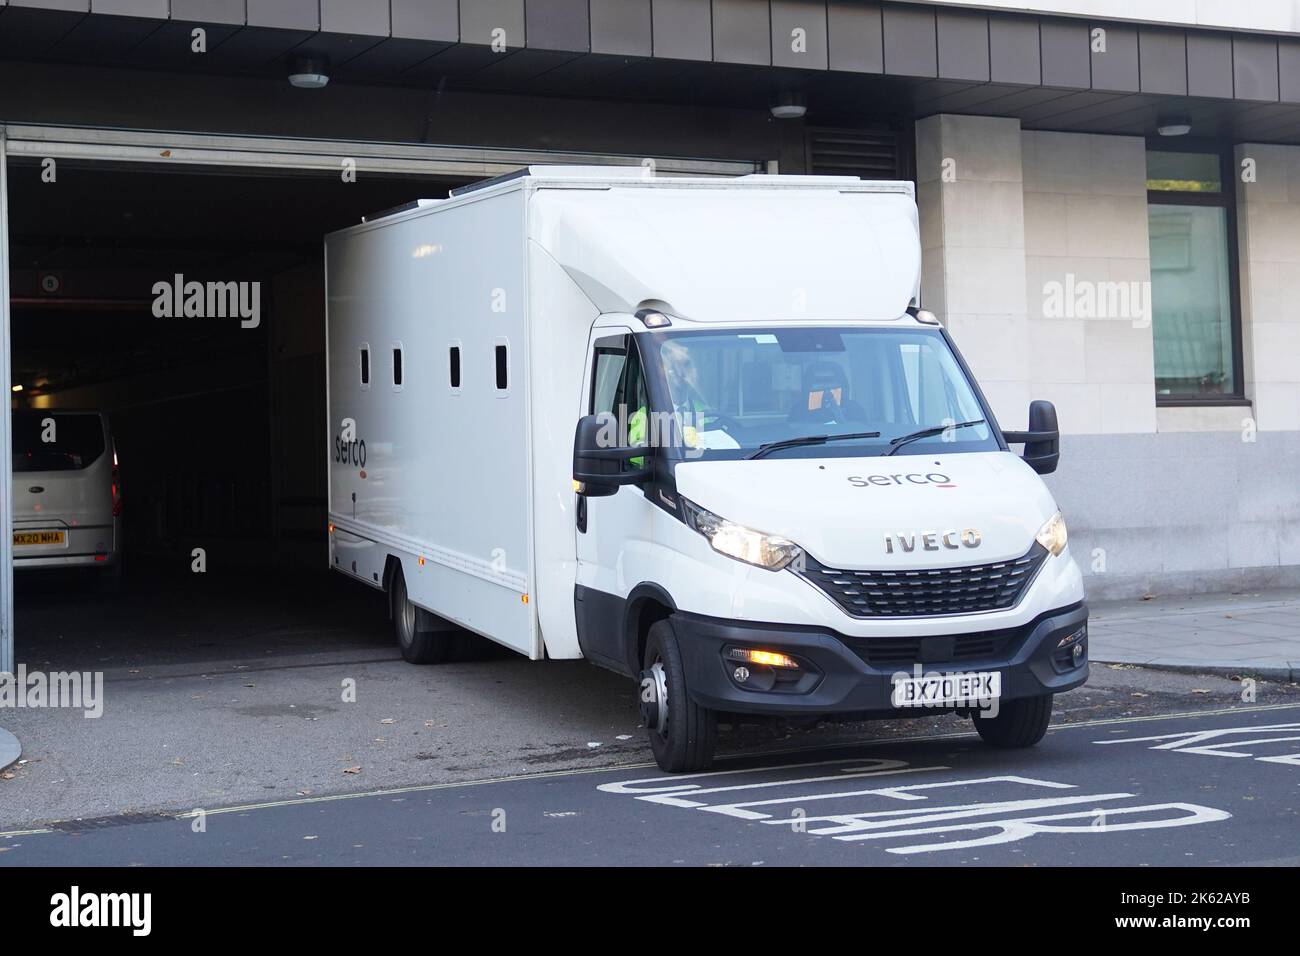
x=946, y=814
x=1226, y=742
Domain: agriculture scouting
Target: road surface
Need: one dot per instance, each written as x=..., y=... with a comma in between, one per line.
x=1215, y=787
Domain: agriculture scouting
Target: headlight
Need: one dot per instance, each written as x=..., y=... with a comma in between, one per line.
x=1052, y=535
x=744, y=544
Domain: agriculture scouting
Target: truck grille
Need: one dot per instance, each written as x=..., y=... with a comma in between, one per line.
x=927, y=592
x=901, y=651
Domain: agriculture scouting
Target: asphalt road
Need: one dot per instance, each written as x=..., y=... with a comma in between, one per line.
x=1215, y=787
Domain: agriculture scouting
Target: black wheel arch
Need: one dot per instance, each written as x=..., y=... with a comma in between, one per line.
x=646, y=604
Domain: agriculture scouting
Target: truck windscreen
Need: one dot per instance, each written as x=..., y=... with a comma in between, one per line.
x=733, y=391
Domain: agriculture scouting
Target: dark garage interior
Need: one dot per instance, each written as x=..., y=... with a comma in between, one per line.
x=218, y=427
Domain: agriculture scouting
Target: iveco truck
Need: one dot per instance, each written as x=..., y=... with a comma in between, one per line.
x=698, y=432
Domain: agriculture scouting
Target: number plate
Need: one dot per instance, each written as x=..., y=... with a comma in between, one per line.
x=46, y=538
x=938, y=689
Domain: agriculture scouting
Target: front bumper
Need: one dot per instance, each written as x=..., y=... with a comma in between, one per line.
x=48, y=562
x=842, y=674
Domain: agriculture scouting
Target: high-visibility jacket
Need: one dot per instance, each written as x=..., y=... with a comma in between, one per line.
x=638, y=426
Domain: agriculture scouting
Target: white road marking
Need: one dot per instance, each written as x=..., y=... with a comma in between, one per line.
x=1223, y=742
x=1011, y=831
x=893, y=793
x=869, y=821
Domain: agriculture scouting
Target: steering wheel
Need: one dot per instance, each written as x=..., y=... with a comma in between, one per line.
x=725, y=422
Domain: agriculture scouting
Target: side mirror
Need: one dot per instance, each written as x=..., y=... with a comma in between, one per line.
x=1043, y=439
x=598, y=459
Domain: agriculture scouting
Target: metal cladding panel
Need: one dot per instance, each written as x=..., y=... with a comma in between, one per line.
x=153, y=9
x=621, y=27
x=285, y=14
x=1209, y=65
x=558, y=25
x=1115, y=68
x=210, y=11
x=911, y=48
x=70, y=6
x=1014, y=52
x=482, y=21
x=1288, y=68
x=1162, y=58
x=360, y=17
x=855, y=37
x=426, y=20
x=1065, y=54
x=742, y=32
x=683, y=29
x=1254, y=68
x=963, y=44
x=799, y=34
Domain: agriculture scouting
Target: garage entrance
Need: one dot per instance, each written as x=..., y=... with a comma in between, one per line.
x=216, y=415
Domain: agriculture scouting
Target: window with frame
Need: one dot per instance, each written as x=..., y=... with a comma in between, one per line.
x=1195, y=319
x=618, y=388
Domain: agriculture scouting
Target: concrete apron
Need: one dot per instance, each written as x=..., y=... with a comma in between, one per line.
x=10, y=749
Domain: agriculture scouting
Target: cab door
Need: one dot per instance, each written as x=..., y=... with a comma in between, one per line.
x=613, y=532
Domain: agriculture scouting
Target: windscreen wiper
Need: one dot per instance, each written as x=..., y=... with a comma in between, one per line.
x=901, y=440
x=763, y=450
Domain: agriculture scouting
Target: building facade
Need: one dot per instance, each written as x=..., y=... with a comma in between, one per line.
x=1108, y=194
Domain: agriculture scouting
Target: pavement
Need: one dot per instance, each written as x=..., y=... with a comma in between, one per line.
x=1251, y=634
x=1179, y=789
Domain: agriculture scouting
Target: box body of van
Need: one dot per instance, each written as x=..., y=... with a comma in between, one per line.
x=697, y=432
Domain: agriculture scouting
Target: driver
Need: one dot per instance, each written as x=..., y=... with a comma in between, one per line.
x=826, y=396
x=690, y=410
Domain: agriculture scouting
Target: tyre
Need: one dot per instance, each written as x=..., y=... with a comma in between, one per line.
x=1019, y=723
x=683, y=734
x=417, y=646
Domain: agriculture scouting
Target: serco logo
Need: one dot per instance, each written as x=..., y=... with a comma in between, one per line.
x=932, y=478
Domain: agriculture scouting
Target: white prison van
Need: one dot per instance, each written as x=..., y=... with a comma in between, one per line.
x=697, y=432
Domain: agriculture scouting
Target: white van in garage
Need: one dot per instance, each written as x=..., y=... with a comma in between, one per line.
x=697, y=432
x=67, y=494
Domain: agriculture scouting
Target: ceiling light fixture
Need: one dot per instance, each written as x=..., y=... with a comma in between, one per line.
x=309, y=72
x=1174, y=126
x=789, y=106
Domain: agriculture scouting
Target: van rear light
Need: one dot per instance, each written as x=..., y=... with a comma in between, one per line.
x=117, y=489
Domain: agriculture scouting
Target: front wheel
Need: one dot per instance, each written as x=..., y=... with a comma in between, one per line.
x=1019, y=723
x=417, y=647
x=683, y=734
